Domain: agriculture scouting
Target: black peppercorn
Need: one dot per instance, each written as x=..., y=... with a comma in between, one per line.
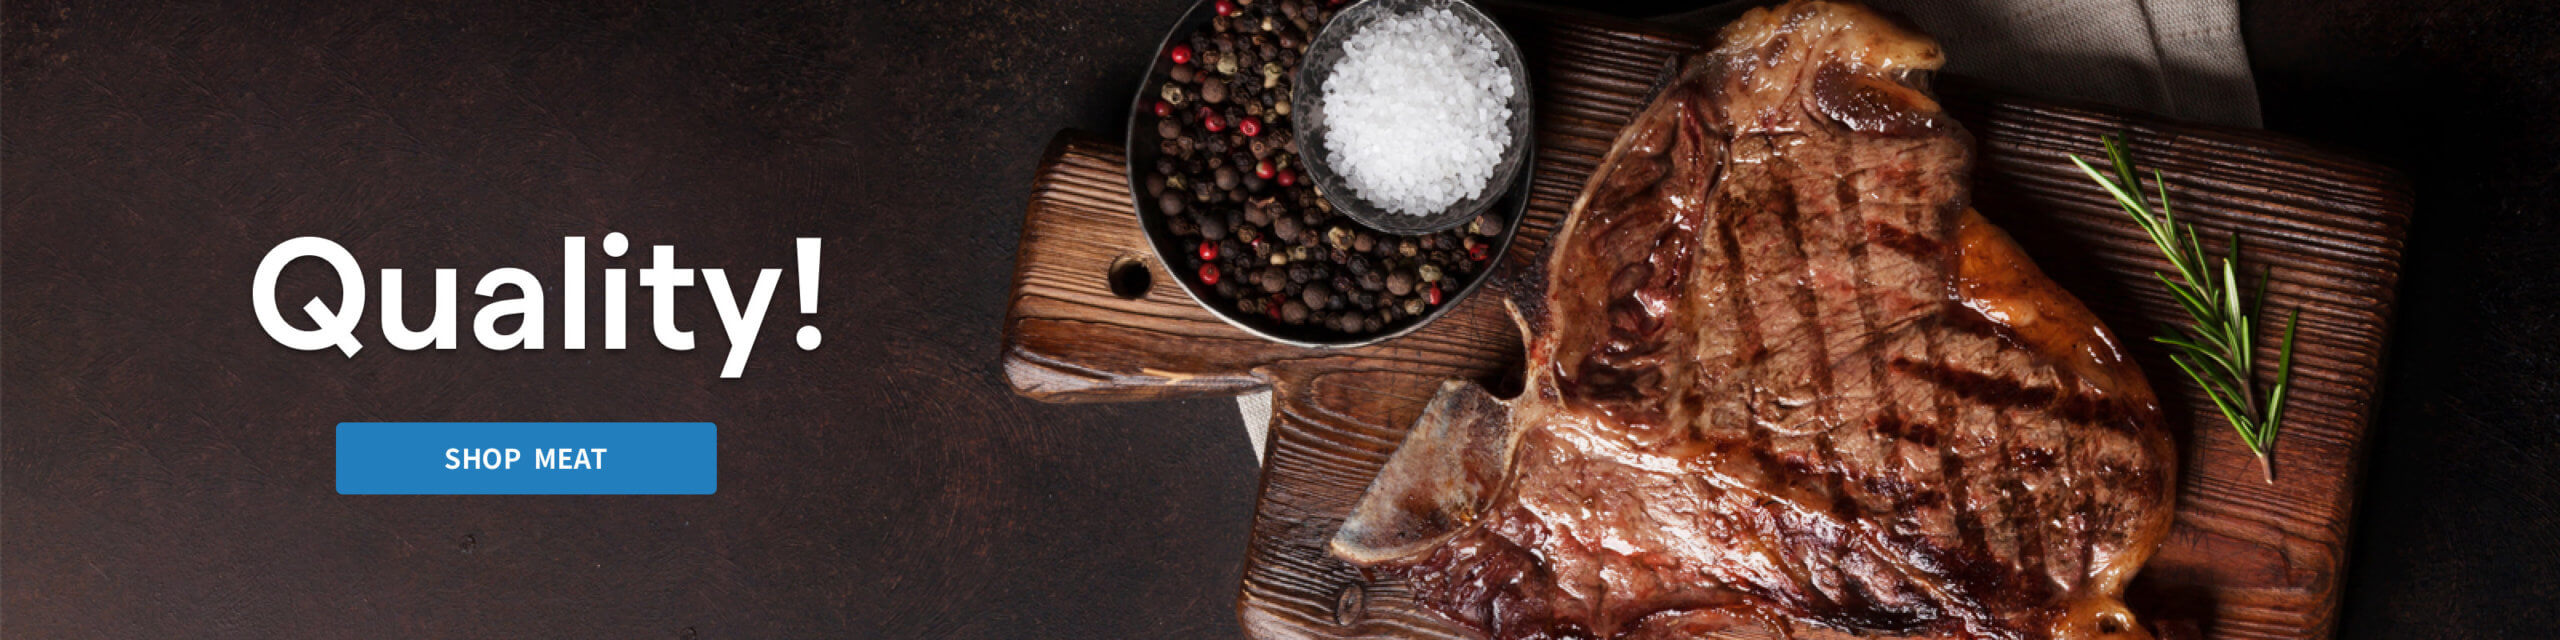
x=1212, y=227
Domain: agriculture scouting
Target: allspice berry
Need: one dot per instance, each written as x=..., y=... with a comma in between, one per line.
x=1271, y=279
x=1213, y=227
x=1317, y=295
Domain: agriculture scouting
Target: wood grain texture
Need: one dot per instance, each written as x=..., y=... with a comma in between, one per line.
x=2246, y=559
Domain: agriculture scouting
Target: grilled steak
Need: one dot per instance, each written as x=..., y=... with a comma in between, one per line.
x=1780, y=374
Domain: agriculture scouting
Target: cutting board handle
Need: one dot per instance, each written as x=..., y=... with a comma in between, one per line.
x=1094, y=318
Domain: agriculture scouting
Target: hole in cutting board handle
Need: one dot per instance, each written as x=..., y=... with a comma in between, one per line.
x=1129, y=277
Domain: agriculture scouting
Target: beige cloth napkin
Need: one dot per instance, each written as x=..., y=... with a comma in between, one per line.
x=2180, y=58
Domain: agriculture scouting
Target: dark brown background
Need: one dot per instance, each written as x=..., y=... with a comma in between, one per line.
x=167, y=468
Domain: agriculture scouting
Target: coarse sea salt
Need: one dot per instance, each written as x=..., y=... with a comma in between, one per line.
x=1417, y=112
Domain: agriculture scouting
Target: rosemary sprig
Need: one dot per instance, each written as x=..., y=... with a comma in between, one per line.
x=2217, y=347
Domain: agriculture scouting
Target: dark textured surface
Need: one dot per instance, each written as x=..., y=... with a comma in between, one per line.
x=166, y=467
x=2459, y=535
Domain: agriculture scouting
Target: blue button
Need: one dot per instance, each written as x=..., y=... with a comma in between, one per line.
x=528, y=458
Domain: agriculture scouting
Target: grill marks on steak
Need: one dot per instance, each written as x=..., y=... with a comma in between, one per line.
x=1780, y=374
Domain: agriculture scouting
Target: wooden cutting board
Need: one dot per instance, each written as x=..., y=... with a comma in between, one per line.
x=2245, y=560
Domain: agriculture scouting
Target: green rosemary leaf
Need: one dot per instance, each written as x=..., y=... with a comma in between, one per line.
x=2217, y=348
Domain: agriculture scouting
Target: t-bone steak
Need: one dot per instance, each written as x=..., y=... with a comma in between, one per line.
x=1781, y=376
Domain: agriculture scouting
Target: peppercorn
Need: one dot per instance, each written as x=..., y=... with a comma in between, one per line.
x=1407, y=247
x=1181, y=54
x=1170, y=202
x=1317, y=295
x=1209, y=250
x=1251, y=127
x=1480, y=252
x=1212, y=227
x=1272, y=279
x=1293, y=312
x=1167, y=128
x=1285, y=178
x=1429, y=273
x=1286, y=229
x=1213, y=90
x=1209, y=272
x=1400, y=282
x=1225, y=7
x=1226, y=177
x=1432, y=295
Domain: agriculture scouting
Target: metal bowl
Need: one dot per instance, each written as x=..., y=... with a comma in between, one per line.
x=1142, y=145
x=1307, y=105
